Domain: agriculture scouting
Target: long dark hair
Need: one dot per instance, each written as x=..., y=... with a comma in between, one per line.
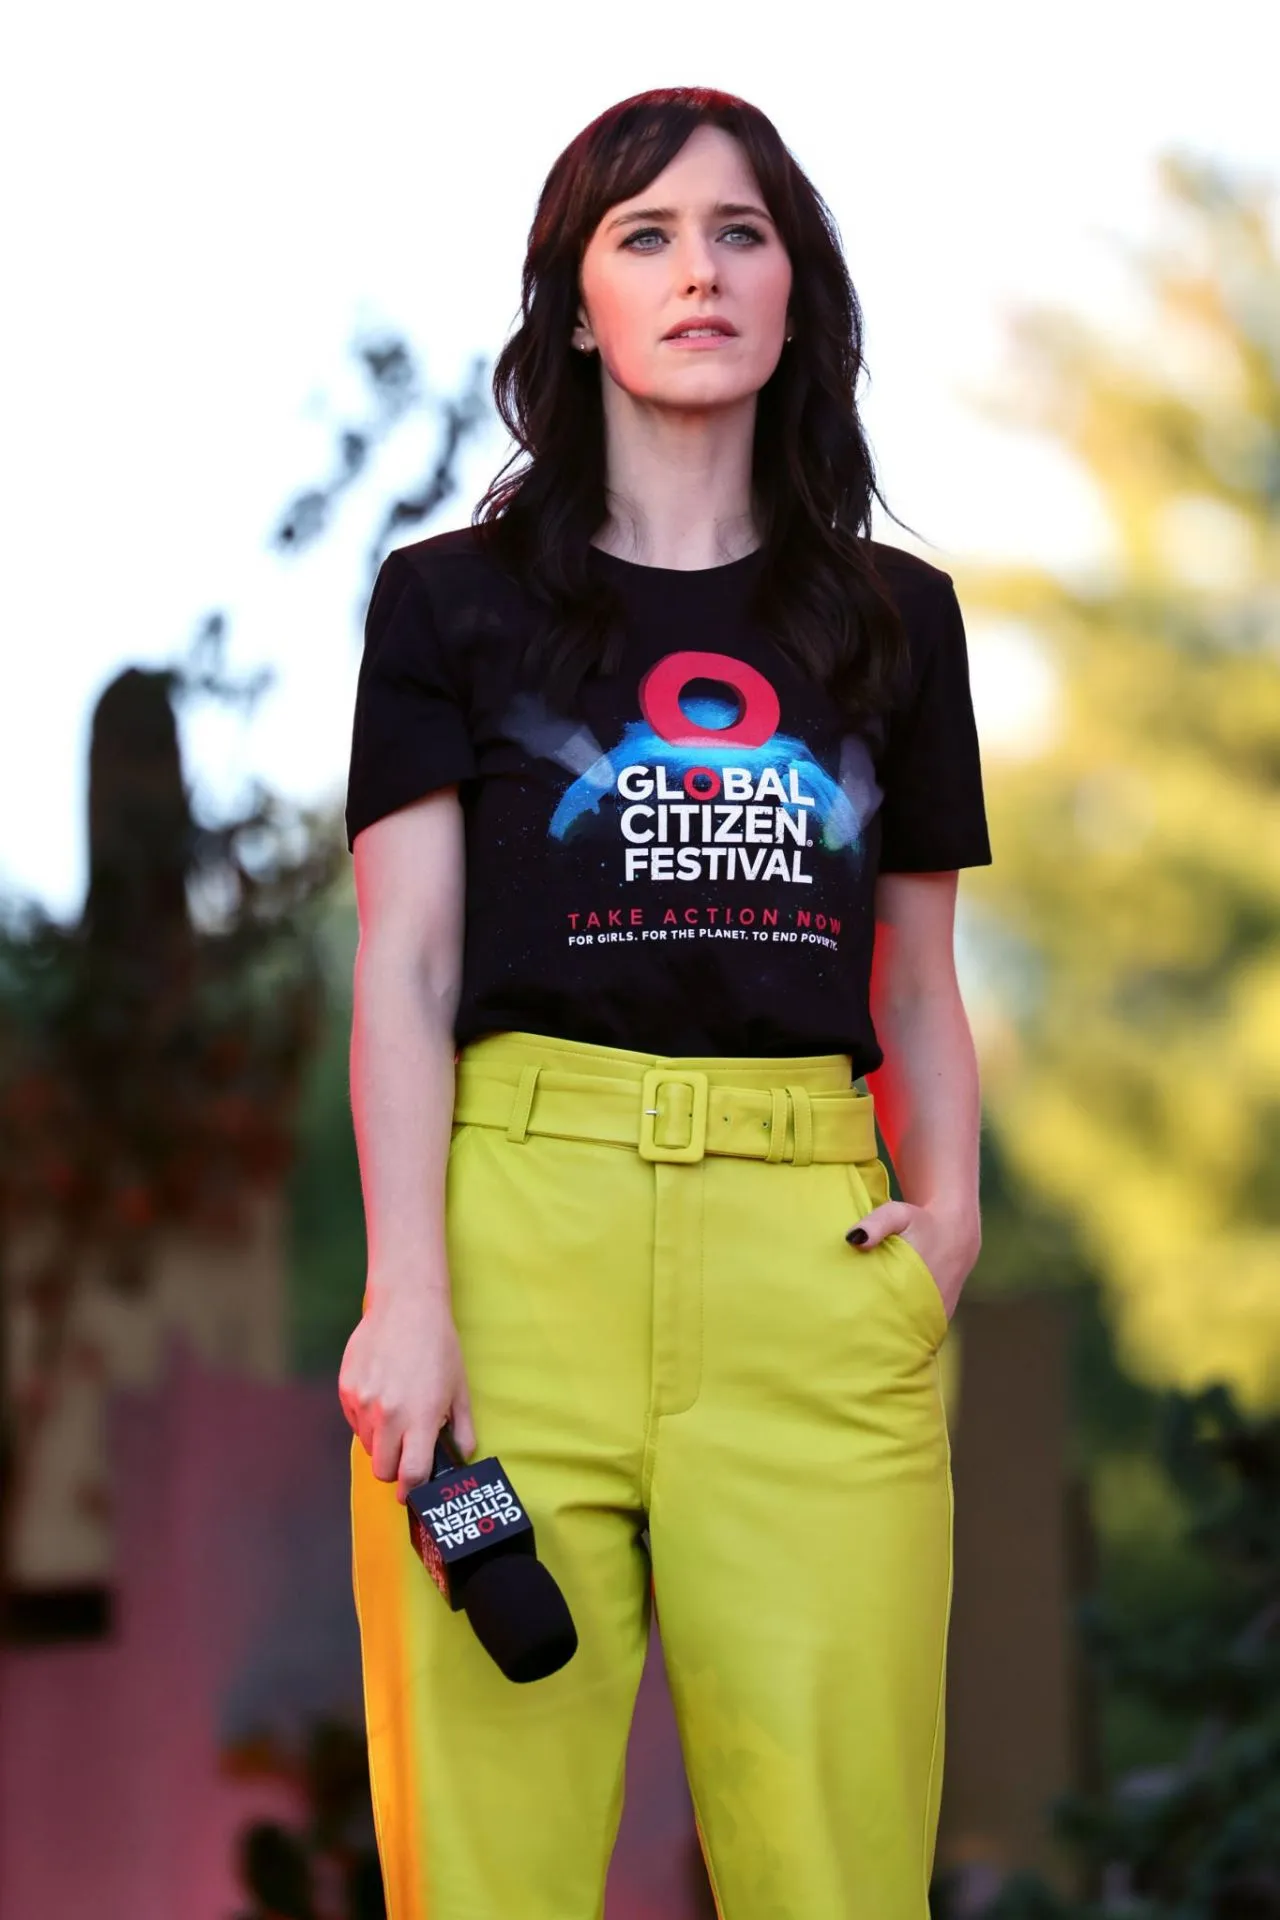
x=818, y=589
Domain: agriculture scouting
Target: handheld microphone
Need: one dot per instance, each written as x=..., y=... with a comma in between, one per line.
x=477, y=1542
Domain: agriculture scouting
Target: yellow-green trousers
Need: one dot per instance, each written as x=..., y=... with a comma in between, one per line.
x=664, y=1326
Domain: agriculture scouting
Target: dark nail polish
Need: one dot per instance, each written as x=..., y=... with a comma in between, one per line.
x=856, y=1236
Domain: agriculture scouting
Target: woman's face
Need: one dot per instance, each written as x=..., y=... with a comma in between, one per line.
x=696, y=242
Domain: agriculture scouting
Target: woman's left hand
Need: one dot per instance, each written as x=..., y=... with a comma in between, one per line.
x=947, y=1244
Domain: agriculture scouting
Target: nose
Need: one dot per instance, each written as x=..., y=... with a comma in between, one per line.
x=695, y=263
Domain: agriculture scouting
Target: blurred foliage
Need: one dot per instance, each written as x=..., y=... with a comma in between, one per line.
x=150, y=1051
x=327, y=1252
x=1131, y=1071
x=1197, y=1838
x=153, y=1052
x=396, y=389
x=1148, y=1568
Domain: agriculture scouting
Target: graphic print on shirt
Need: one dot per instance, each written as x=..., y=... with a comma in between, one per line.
x=704, y=788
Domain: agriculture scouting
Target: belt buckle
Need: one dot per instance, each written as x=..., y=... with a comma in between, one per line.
x=696, y=1145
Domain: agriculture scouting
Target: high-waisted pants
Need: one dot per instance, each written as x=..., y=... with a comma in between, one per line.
x=663, y=1326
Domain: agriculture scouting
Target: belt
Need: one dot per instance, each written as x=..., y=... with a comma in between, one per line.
x=673, y=1114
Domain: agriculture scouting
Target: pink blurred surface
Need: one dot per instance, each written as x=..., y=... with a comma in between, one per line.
x=233, y=1616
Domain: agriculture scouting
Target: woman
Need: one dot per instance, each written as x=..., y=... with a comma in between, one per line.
x=650, y=765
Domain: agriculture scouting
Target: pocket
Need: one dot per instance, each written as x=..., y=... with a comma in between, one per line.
x=919, y=1269
x=869, y=1180
x=869, y=1185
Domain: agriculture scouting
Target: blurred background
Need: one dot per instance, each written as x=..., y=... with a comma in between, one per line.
x=263, y=261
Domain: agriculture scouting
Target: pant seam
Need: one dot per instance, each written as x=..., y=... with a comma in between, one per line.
x=705, y=1846
x=384, y=1856
x=702, y=1291
x=933, y=1801
x=654, y=1416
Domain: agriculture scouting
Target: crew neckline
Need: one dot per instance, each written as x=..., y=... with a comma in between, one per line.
x=635, y=568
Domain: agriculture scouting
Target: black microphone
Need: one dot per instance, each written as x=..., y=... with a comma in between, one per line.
x=477, y=1542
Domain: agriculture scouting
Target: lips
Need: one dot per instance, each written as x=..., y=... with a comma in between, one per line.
x=699, y=323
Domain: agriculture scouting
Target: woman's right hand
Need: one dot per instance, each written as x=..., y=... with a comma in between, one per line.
x=401, y=1378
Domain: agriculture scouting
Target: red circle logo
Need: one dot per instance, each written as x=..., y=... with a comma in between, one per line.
x=701, y=783
x=662, y=686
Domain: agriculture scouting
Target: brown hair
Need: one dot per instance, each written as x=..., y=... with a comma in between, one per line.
x=818, y=589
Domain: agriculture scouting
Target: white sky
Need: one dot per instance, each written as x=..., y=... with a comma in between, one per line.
x=204, y=209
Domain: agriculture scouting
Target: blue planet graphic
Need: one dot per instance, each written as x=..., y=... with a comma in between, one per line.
x=640, y=745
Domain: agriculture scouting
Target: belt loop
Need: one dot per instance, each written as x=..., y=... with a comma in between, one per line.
x=802, y=1120
x=777, y=1124
x=518, y=1122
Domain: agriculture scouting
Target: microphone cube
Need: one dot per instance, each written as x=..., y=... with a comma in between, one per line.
x=463, y=1517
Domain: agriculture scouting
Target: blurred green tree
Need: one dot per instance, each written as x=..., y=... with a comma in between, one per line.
x=152, y=1050
x=1128, y=926
x=1196, y=1838
x=148, y=1063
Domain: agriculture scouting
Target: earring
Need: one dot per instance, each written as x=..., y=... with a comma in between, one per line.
x=791, y=336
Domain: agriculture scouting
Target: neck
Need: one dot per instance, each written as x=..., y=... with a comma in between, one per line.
x=678, y=482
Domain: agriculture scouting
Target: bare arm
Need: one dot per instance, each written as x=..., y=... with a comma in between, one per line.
x=402, y=1372
x=409, y=873
x=927, y=1095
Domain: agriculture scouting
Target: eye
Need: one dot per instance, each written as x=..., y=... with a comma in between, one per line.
x=642, y=233
x=754, y=236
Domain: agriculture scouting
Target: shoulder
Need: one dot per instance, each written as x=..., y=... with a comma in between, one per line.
x=465, y=587
x=441, y=551
x=925, y=598
x=916, y=584
x=457, y=558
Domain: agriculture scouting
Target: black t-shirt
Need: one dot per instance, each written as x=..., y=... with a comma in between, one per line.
x=687, y=864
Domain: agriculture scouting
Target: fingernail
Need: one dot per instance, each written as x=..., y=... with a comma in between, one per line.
x=856, y=1236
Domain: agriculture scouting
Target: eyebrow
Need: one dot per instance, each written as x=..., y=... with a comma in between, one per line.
x=670, y=213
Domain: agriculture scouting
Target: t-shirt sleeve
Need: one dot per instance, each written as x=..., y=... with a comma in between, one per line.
x=409, y=735
x=933, y=815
